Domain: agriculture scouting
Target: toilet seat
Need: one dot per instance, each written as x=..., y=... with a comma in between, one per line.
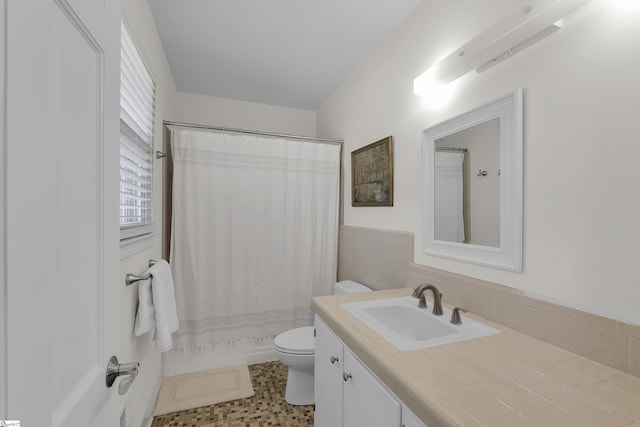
x=296, y=341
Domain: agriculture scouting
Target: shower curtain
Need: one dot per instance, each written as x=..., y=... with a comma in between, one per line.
x=448, y=214
x=254, y=234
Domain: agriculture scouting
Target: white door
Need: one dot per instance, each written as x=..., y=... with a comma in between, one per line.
x=61, y=203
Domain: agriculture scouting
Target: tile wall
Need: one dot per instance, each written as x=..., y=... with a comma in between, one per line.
x=378, y=258
x=382, y=259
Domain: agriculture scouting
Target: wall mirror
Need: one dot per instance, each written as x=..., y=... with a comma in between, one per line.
x=472, y=185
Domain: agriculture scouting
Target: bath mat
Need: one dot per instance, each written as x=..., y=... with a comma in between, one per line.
x=204, y=388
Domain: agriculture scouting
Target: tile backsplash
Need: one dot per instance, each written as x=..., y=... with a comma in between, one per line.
x=378, y=258
x=383, y=259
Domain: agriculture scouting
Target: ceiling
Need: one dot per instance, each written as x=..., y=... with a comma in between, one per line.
x=291, y=53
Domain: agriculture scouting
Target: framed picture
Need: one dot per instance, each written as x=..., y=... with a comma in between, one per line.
x=372, y=174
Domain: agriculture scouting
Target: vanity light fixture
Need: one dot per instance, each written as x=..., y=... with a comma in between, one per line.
x=509, y=36
x=519, y=47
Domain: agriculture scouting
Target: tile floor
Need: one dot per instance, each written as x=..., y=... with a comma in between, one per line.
x=266, y=408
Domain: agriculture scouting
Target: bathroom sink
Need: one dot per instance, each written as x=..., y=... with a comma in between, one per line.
x=403, y=324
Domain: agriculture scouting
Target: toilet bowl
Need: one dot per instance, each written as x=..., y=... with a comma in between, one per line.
x=295, y=348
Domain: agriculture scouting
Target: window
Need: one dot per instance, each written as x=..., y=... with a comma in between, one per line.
x=137, y=100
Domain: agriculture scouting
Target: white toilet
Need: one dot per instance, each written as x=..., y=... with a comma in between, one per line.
x=296, y=349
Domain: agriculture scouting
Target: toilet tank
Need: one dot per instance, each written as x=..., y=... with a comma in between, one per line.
x=349, y=287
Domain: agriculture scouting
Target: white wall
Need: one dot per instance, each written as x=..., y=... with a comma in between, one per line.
x=581, y=105
x=140, y=399
x=221, y=112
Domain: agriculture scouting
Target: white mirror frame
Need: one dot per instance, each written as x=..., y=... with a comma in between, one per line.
x=509, y=255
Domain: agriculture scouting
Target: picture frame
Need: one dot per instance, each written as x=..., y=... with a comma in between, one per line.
x=372, y=174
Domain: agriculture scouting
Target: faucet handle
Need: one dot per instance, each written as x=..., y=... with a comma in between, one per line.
x=416, y=291
x=455, y=315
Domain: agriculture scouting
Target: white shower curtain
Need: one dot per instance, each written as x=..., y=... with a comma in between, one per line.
x=254, y=234
x=448, y=188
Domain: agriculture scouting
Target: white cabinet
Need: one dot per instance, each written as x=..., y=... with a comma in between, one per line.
x=367, y=403
x=409, y=419
x=347, y=393
x=328, y=377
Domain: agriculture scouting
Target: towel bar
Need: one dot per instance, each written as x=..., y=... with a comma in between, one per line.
x=130, y=279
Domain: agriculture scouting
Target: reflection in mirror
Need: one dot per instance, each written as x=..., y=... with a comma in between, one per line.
x=467, y=185
x=472, y=199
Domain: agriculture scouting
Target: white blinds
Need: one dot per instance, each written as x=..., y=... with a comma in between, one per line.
x=137, y=100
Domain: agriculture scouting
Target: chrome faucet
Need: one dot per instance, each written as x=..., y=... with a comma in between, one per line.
x=437, y=298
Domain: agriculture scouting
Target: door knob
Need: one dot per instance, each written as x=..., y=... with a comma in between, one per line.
x=116, y=369
x=334, y=359
x=346, y=376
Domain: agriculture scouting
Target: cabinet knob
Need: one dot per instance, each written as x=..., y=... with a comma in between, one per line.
x=346, y=376
x=334, y=359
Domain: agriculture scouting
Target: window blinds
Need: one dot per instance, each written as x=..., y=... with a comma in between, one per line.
x=137, y=101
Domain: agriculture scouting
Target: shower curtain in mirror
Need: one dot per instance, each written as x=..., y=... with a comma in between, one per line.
x=449, y=221
x=254, y=234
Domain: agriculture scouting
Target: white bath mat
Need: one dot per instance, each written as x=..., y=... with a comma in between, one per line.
x=204, y=388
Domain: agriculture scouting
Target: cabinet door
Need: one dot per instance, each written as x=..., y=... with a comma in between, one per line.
x=409, y=419
x=328, y=377
x=367, y=403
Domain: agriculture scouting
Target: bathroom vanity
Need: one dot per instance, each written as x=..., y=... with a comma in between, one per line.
x=348, y=393
x=506, y=378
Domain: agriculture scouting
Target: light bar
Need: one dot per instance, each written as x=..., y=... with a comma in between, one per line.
x=519, y=47
x=510, y=35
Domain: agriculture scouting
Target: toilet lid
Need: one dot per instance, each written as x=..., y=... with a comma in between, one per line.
x=296, y=341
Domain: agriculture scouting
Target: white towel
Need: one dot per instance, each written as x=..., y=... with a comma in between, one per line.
x=157, y=305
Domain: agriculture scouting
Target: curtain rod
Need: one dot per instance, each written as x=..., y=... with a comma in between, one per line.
x=254, y=132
